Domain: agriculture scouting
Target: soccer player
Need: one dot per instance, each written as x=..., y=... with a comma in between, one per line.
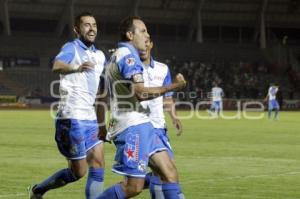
x=158, y=74
x=80, y=65
x=217, y=104
x=272, y=102
x=130, y=128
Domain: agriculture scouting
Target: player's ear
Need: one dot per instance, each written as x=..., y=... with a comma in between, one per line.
x=129, y=35
x=76, y=30
x=151, y=44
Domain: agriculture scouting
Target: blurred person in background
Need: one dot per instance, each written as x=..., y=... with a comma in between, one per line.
x=272, y=101
x=217, y=94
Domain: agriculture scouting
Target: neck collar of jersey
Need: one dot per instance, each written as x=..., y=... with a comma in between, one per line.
x=151, y=62
x=82, y=45
x=132, y=49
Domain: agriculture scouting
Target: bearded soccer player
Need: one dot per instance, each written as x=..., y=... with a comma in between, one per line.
x=80, y=65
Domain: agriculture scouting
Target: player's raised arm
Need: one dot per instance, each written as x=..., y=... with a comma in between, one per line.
x=146, y=93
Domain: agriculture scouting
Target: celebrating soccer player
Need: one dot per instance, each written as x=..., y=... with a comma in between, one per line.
x=131, y=129
x=80, y=65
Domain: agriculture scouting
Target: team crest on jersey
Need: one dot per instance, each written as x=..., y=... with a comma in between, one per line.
x=130, y=61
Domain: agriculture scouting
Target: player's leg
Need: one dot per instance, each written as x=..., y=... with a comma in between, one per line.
x=166, y=186
x=95, y=181
x=276, y=107
x=270, y=108
x=220, y=106
x=132, y=157
x=68, y=132
x=130, y=187
x=152, y=179
x=169, y=186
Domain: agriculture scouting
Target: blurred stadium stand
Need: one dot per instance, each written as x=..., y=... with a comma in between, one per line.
x=245, y=44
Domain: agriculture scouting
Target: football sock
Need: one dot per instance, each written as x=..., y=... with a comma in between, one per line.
x=172, y=191
x=113, y=192
x=95, y=185
x=147, y=180
x=59, y=179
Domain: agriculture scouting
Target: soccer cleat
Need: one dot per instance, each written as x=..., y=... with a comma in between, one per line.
x=33, y=195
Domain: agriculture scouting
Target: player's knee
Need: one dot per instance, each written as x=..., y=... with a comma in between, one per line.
x=171, y=176
x=79, y=173
x=133, y=190
x=95, y=157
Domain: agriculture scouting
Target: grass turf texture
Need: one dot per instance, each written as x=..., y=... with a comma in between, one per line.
x=228, y=159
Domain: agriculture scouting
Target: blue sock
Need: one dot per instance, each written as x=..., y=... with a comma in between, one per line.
x=147, y=180
x=114, y=192
x=94, y=185
x=155, y=188
x=57, y=180
x=172, y=191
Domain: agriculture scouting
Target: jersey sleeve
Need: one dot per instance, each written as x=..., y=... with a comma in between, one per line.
x=131, y=69
x=167, y=82
x=66, y=53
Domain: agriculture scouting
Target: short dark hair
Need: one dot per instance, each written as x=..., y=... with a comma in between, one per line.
x=127, y=25
x=78, y=18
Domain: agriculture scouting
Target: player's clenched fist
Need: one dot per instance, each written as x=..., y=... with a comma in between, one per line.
x=179, y=79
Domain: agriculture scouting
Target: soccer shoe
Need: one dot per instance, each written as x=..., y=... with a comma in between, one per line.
x=33, y=195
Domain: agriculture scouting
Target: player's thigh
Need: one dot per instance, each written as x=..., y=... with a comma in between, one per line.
x=164, y=166
x=95, y=156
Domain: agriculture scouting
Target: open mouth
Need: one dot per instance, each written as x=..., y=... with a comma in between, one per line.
x=91, y=34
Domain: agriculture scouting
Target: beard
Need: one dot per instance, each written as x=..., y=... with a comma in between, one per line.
x=87, y=42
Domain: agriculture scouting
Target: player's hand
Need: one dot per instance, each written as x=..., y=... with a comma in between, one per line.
x=86, y=66
x=102, y=133
x=179, y=79
x=177, y=124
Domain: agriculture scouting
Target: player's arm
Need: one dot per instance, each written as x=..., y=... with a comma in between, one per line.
x=169, y=107
x=222, y=94
x=146, y=93
x=63, y=68
x=101, y=109
x=266, y=98
x=62, y=62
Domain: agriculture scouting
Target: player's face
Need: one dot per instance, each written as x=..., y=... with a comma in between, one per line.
x=140, y=36
x=145, y=55
x=88, y=29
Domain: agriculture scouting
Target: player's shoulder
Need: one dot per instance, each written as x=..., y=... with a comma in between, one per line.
x=121, y=53
x=69, y=45
x=100, y=53
x=160, y=66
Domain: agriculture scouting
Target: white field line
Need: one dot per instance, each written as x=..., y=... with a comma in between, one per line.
x=13, y=195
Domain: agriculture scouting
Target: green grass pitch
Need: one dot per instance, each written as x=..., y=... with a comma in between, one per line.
x=216, y=159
